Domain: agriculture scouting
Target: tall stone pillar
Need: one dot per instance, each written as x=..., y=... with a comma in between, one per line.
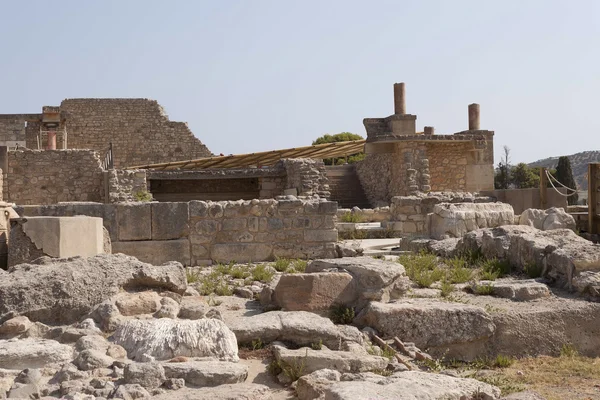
x=428, y=130
x=474, y=117
x=399, y=99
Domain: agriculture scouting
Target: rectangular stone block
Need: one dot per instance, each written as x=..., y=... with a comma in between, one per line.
x=156, y=252
x=321, y=235
x=241, y=252
x=134, y=221
x=169, y=221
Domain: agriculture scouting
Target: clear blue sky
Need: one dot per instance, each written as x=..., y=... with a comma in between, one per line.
x=259, y=75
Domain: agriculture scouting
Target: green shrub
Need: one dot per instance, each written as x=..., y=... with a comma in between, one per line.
x=341, y=314
x=223, y=289
x=192, y=276
x=317, y=345
x=533, y=270
x=257, y=344
x=299, y=265
x=281, y=264
x=422, y=268
x=388, y=352
x=502, y=361
x=262, y=273
x=224, y=269
x=568, y=350
x=143, y=195
x=460, y=275
x=492, y=268
x=447, y=288
x=350, y=217
x=484, y=290
x=239, y=272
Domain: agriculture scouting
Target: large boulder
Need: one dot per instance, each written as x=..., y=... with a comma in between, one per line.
x=545, y=220
x=430, y=324
x=65, y=290
x=236, y=391
x=298, y=327
x=454, y=220
x=411, y=385
x=560, y=253
x=166, y=338
x=33, y=353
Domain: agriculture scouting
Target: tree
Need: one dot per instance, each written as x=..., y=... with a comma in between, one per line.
x=524, y=177
x=502, y=176
x=564, y=174
x=341, y=137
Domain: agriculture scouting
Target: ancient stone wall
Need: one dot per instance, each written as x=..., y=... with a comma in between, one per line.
x=448, y=162
x=12, y=132
x=52, y=176
x=375, y=175
x=126, y=185
x=306, y=175
x=199, y=232
x=139, y=129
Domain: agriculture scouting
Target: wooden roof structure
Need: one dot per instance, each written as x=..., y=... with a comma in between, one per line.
x=265, y=158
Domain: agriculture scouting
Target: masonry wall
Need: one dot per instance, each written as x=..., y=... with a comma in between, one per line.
x=199, y=232
x=448, y=165
x=12, y=132
x=307, y=176
x=139, y=129
x=47, y=177
x=125, y=185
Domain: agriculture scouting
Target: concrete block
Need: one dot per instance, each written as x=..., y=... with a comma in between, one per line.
x=65, y=236
x=156, y=251
x=169, y=221
x=242, y=252
x=134, y=221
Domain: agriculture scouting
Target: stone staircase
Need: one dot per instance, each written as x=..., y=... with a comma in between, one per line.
x=345, y=187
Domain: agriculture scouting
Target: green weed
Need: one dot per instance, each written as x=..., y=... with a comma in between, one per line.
x=257, y=344
x=262, y=273
x=447, y=288
x=533, y=270
x=341, y=314
x=281, y=264
x=239, y=272
x=422, y=268
x=484, y=290
x=350, y=217
x=568, y=350
x=317, y=345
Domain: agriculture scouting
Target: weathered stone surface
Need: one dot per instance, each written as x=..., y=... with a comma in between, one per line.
x=428, y=323
x=454, y=220
x=314, y=360
x=317, y=291
x=166, y=338
x=443, y=248
x=15, y=326
x=207, y=373
x=241, y=252
x=156, y=251
x=137, y=303
x=298, y=327
x=134, y=221
x=169, y=220
x=147, y=375
x=33, y=353
x=92, y=342
x=523, y=396
x=410, y=385
x=516, y=290
x=238, y=391
x=192, y=307
x=131, y=391
x=65, y=290
x=169, y=308
x=545, y=220
x=373, y=279
x=313, y=385
x=561, y=252
x=88, y=360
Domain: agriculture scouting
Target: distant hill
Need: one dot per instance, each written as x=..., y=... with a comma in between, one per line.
x=579, y=165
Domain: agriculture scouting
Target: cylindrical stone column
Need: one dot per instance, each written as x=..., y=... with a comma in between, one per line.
x=51, y=140
x=474, y=117
x=399, y=99
x=429, y=130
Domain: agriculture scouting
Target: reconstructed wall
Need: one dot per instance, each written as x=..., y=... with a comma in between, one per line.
x=198, y=232
x=306, y=175
x=12, y=132
x=448, y=165
x=140, y=131
x=47, y=177
x=125, y=185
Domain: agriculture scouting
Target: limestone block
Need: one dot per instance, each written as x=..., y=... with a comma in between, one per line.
x=320, y=235
x=553, y=218
x=108, y=213
x=169, y=221
x=456, y=219
x=241, y=252
x=316, y=291
x=328, y=207
x=156, y=251
x=134, y=221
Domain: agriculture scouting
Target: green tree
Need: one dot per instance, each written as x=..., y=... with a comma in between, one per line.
x=340, y=137
x=524, y=177
x=502, y=176
x=564, y=174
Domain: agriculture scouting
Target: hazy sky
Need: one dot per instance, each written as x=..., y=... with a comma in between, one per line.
x=260, y=75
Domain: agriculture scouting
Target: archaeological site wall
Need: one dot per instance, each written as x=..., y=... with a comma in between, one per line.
x=199, y=232
x=52, y=176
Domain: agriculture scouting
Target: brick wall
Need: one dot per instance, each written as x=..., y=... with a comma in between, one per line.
x=140, y=131
x=198, y=232
x=47, y=177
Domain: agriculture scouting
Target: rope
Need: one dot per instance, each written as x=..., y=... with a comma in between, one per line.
x=550, y=178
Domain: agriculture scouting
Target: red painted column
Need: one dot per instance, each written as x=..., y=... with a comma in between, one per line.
x=51, y=140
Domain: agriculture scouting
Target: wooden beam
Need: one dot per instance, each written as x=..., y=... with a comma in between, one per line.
x=543, y=188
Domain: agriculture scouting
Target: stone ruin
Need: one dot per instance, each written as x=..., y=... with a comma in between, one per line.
x=191, y=295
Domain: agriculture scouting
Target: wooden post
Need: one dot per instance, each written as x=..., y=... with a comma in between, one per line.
x=543, y=188
x=593, y=197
